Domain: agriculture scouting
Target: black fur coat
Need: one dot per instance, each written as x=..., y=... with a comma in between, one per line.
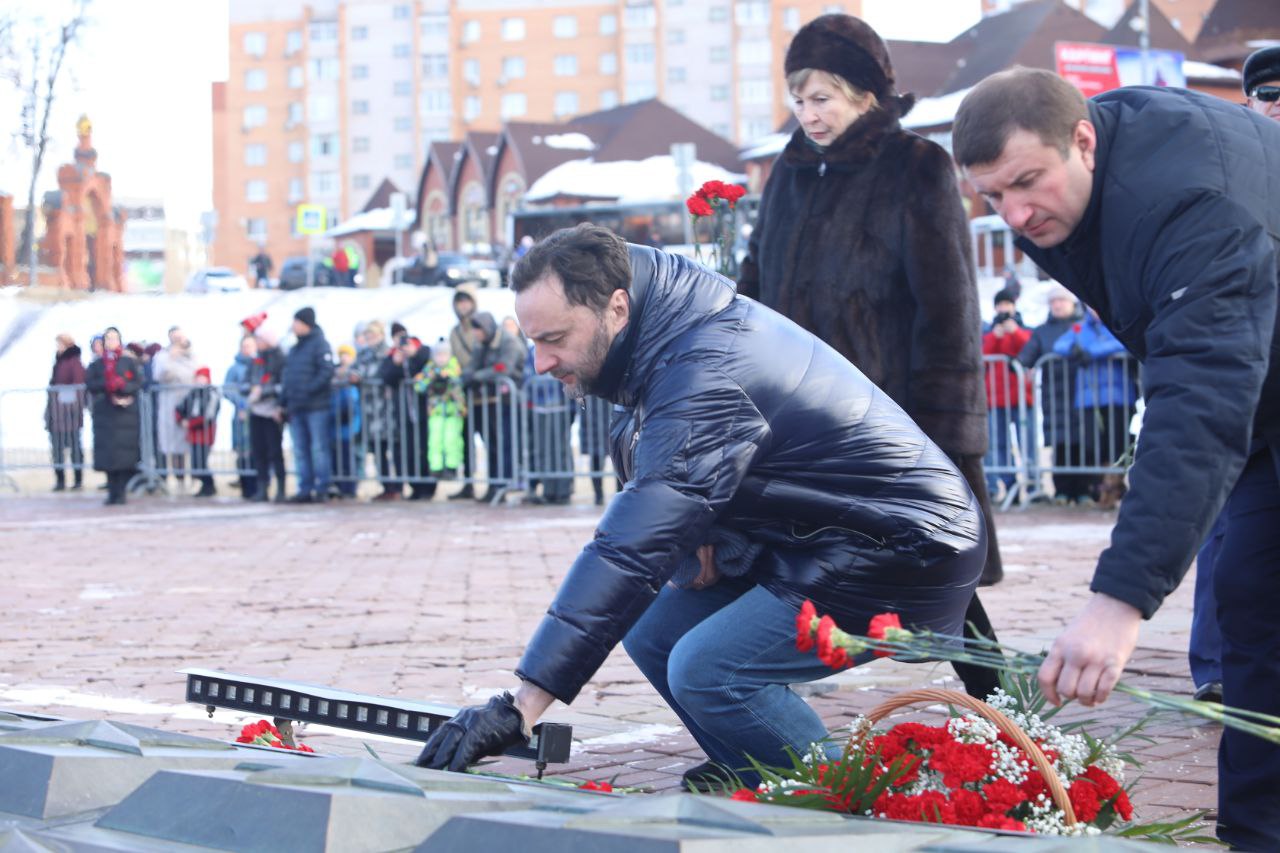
x=866, y=245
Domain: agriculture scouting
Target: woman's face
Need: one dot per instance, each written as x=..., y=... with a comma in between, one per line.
x=823, y=110
x=111, y=340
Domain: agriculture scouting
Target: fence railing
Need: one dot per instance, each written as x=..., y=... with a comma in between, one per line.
x=1059, y=425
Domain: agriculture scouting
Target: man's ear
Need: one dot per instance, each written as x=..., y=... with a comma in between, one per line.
x=619, y=309
x=1085, y=139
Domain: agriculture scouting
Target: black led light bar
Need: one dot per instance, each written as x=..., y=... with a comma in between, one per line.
x=313, y=703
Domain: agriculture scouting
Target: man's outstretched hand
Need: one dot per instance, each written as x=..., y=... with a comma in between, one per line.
x=1087, y=658
x=474, y=733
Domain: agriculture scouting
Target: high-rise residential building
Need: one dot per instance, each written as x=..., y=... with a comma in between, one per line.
x=326, y=99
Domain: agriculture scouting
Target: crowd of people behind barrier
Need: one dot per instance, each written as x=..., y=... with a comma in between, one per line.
x=391, y=408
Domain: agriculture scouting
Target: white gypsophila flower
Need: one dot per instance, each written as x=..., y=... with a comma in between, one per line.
x=927, y=780
x=860, y=726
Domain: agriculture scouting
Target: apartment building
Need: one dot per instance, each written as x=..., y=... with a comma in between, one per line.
x=327, y=98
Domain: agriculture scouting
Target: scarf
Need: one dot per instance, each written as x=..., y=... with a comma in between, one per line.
x=111, y=369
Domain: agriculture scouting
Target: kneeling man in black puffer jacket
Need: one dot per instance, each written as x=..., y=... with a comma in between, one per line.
x=761, y=469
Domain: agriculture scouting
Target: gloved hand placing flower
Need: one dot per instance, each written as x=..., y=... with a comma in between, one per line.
x=474, y=733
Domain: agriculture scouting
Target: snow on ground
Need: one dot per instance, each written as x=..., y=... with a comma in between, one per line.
x=28, y=327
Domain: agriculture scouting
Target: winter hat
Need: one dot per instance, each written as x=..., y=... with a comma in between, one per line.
x=397, y=329
x=1004, y=296
x=346, y=349
x=463, y=292
x=267, y=337
x=847, y=46
x=204, y=371
x=1060, y=292
x=306, y=315
x=1262, y=66
x=253, y=321
x=152, y=349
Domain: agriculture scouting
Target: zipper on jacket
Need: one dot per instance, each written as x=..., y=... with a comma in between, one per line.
x=822, y=168
x=880, y=544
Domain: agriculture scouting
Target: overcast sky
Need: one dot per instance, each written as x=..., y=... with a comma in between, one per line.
x=143, y=69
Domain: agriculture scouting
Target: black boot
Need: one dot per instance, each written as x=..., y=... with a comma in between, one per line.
x=77, y=481
x=707, y=778
x=59, y=480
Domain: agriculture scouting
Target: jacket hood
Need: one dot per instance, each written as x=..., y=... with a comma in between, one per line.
x=860, y=142
x=486, y=322
x=669, y=296
x=70, y=352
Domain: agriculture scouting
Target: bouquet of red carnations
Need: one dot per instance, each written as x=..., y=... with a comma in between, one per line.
x=263, y=733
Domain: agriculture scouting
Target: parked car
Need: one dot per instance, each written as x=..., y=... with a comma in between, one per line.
x=293, y=273
x=216, y=280
x=451, y=270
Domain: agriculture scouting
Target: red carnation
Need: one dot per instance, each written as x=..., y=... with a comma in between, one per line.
x=878, y=627
x=1123, y=807
x=590, y=785
x=1085, y=799
x=969, y=806
x=961, y=762
x=698, y=206
x=804, y=626
x=825, y=626
x=745, y=795
x=995, y=821
x=1034, y=786
x=1002, y=796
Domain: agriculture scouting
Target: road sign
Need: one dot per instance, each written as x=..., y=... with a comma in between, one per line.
x=310, y=219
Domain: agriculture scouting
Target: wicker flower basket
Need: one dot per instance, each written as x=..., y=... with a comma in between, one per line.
x=999, y=720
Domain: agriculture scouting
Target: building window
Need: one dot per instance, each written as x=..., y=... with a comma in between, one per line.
x=359, y=33
x=470, y=32
x=402, y=87
x=566, y=65
x=255, y=80
x=255, y=116
x=359, y=72
x=640, y=90
x=512, y=29
x=255, y=190
x=608, y=99
x=292, y=42
x=753, y=128
x=751, y=12
x=754, y=52
x=719, y=93
x=402, y=123
x=718, y=53
x=675, y=75
x=255, y=229
x=321, y=107
x=434, y=26
x=512, y=67
x=435, y=101
x=324, y=69
x=471, y=71
x=297, y=152
x=566, y=104
x=324, y=31
x=791, y=19
x=639, y=16
x=514, y=105
x=297, y=79
x=296, y=190
x=402, y=51
x=608, y=25
x=401, y=11
x=675, y=36
x=295, y=115
x=470, y=108
x=255, y=44
x=719, y=13
x=360, y=182
x=640, y=54
x=255, y=155
x=360, y=107
x=755, y=91
x=324, y=145
x=565, y=26
x=609, y=63
x=324, y=183
x=360, y=144
x=403, y=161
x=435, y=65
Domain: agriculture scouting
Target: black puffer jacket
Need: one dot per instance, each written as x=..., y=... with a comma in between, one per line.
x=1177, y=252
x=308, y=374
x=742, y=418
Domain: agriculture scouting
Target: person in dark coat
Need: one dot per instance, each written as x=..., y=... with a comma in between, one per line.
x=743, y=434
x=64, y=413
x=236, y=388
x=862, y=239
x=408, y=410
x=1057, y=394
x=113, y=382
x=497, y=355
x=266, y=415
x=1157, y=207
x=305, y=388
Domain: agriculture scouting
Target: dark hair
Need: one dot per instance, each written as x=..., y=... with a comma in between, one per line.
x=590, y=260
x=1004, y=296
x=1030, y=99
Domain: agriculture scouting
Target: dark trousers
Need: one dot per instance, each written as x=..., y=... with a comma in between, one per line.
x=61, y=444
x=346, y=474
x=266, y=438
x=1073, y=487
x=383, y=450
x=1204, y=651
x=1246, y=583
x=200, y=466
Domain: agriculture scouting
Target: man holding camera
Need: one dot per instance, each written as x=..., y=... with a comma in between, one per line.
x=1006, y=337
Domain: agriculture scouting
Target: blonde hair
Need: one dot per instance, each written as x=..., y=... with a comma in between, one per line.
x=796, y=80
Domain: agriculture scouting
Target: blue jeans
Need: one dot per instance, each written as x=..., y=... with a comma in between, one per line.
x=1204, y=652
x=1246, y=583
x=723, y=659
x=312, y=442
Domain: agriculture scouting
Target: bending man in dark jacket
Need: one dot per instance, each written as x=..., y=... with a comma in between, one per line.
x=1160, y=208
x=743, y=429
x=305, y=386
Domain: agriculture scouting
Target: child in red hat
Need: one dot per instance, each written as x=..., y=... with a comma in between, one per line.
x=198, y=412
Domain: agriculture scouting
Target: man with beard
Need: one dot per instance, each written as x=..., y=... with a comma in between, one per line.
x=761, y=469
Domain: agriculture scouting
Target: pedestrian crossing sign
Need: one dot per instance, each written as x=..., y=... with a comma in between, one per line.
x=310, y=219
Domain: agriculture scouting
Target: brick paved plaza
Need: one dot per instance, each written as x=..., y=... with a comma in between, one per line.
x=102, y=606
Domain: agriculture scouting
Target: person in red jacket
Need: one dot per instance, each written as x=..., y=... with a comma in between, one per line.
x=198, y=412
x=1006, y=337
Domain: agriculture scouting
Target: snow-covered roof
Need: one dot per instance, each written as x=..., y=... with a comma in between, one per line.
x=379, y=219
x=1208, y=71
x=570, y=141
x=629, y=181
x=930, y=112
x=766, y=146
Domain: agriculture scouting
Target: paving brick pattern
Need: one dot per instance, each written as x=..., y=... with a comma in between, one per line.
x=433, y=601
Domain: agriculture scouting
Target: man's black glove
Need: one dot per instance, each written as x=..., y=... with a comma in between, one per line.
x=474, y=733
